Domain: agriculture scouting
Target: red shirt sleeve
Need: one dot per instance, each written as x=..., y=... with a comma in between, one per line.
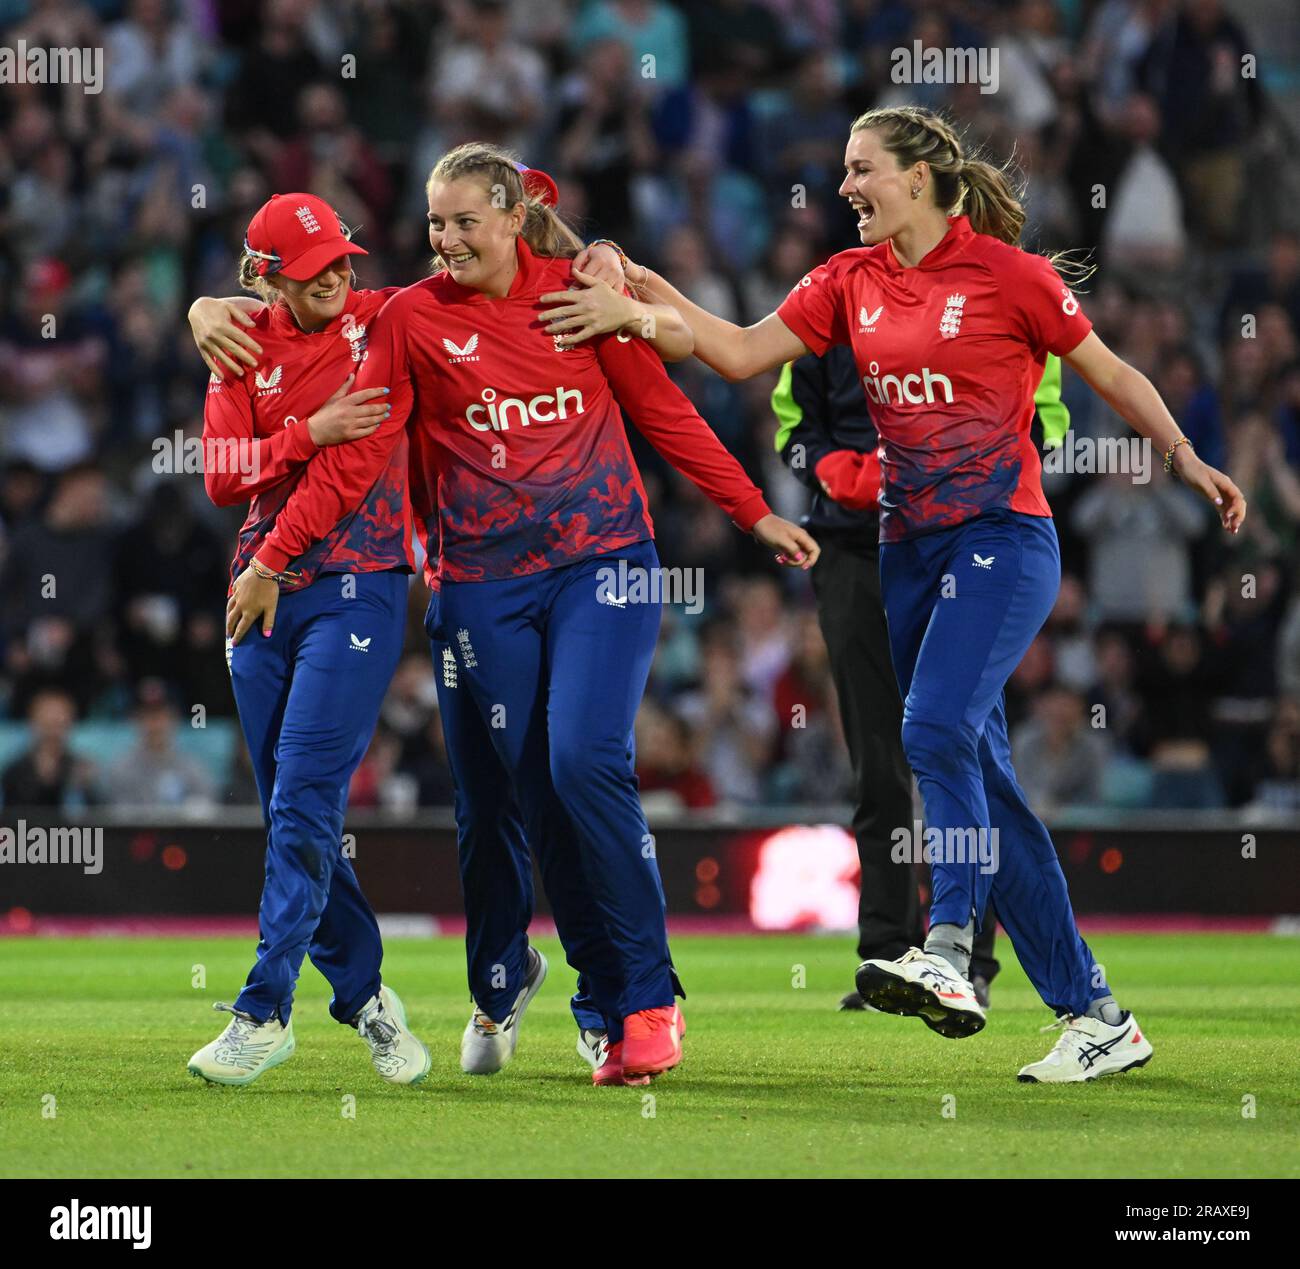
x=814, y=309
x=236, y=463
x=666, y=418
x=1044, y=312
x=339, y=477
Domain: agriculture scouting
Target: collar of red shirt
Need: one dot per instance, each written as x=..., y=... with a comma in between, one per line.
x=958, y=235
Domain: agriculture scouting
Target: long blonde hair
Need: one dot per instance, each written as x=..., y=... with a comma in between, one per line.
x=544, y=229
x=991, y=195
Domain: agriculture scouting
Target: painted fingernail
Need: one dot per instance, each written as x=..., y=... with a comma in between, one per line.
x=385, y=389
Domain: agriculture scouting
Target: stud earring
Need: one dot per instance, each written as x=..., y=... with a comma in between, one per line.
x=916, y=193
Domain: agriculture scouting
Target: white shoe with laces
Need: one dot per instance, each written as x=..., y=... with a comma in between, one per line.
x=244, y=1050
x=922, y=985
x=1088, y=1048
x=487, y=1046
x=399, y=1056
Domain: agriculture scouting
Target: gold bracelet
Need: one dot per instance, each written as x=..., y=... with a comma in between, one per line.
x=1169, y=453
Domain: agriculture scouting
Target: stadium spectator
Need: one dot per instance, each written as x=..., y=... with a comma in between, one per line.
x=48, y=774
x=331, y=157
x=1144, y=228
x=1059, y=758
x=813, y=761
x=1194, y=68
x=51, y=373
x=1114, y=692
x=154, y=772
x=802, y=144
x=654, y=32
x=667, y=770
x=1139, y=562
x=735, y=725
x=1073, y=654
x=1177, y=686
x=486, y=84
x=1256, y=449
x=153, y=51
x=603, y=135
x=273, y=73
x=58, y=589
x=170, y=569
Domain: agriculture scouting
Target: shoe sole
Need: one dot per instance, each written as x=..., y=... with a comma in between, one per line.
x=1088, y=1079
x=520, y=1010
x=282, y=1055
x=891, y=994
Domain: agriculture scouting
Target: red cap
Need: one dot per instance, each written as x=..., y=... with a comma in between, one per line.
x=297, y=235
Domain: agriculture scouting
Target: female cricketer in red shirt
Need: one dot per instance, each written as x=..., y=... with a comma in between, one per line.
x=309, y=686
x=950, y=323
x=549, y=580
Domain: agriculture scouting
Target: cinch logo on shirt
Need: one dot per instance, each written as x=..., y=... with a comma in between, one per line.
x=904, y=390
x=539, y=409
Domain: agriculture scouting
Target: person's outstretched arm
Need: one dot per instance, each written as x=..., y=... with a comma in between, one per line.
x=735, y=352
x=664, y=415
x=1133, y=397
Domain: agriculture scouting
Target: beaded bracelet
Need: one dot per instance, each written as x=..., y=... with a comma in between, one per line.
x=1169, y=453
x=618, y=251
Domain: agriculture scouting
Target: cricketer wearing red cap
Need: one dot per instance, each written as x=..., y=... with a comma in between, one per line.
x=309, y=685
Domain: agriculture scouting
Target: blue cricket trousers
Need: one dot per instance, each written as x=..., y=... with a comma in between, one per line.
x=557, y=667
x=308, y=699
x=963, y=605
x=496, y=870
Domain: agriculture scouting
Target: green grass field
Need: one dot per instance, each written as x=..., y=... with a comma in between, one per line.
x=775, y=1082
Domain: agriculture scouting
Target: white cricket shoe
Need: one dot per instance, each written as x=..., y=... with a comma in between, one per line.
x=922, y=985
x=244, y=1049
x=1088, y=1048
x=487, y=1046
x=399, y=1056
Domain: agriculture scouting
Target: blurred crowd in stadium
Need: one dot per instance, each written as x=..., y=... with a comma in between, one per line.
x=707, y=137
